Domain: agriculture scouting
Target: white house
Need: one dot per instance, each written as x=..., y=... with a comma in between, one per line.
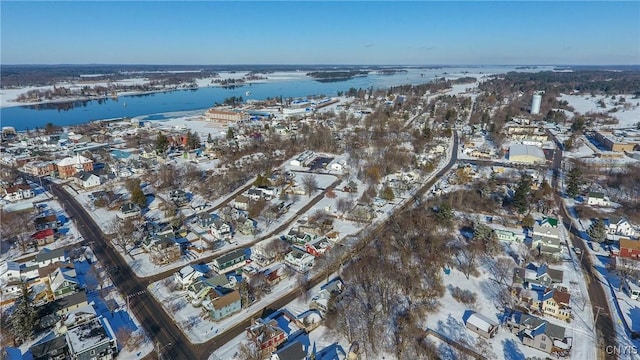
x=187, y=276
x=9, y=271
x=18, y=192
x=299, y=261
x=597, y=199
x=47, y=257
x=620, y=226
x=221, y=230
x=87, y=179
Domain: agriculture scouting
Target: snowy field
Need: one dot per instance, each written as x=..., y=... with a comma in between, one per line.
x=448, y=321
x=587, y=104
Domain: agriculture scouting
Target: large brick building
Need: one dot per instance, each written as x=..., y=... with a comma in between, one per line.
x=69, y=166
x=225, y=115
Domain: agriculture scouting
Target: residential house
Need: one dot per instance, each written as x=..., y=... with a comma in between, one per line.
x=69, y=166
x=299, y=261
x=318, y=247
x=540, y=277
x=275, y=274
x=70, y=303
x=92, y=340
x=538, y=333
x=620, y=226
x=291, y=351
x=9, y=272
x=18, y=192
x=43, y=237
x=241, y=202
x=219, y=229
x=267, y=335
x=164, y=250
x=86, y=179
x=546, y=238
x=63, y=282
x=556, y=303
x=46, y=222
x=46, y=257
x=187, y=276
x=597, y=199
x=480, y=324
x=205, y=219
x=222, y=304
x=629, y=249
x=327, y=292
x=246, y=226
x=50, y=348
x=231, y=261
x=179, y=197
x=363, y=212
x=254, y=194
x=199, y=289
x=298, y=237
x=128, y=210
x=509, y=236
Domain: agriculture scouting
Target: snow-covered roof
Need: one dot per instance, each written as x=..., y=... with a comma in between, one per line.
x=87, y=336
x=481, y=322
x=78, y=159
x=520, y=149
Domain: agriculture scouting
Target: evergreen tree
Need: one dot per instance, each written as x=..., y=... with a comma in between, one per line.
x=230, y=133
x=387, y=194
x=209, y=138
x=193, y=140
x=574, y=180
x=25, y=317
x=597, y=231
x=162, y=142
x=521, y=196
x=137, y=197
x=445, y=214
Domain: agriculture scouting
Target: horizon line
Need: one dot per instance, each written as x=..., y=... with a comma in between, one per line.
x=318, y=64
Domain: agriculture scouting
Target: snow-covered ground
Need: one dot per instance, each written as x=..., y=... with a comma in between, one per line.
x=623, y=308
x=584, y=104
x=91, y=275
x=318, y=339
x=67, y=233
x=448, y=321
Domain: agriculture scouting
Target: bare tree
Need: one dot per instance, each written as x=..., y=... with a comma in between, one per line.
x=310, y=184
x=248, y=350
x=17, y=225
x=501, y=270
x=276, y=248
x=343, y=205
x=122, y=232
x=259, y=286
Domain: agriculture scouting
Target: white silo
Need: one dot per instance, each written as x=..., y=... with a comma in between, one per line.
x=535, y=103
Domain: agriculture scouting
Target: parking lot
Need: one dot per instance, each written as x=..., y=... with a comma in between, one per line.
x=319, y=163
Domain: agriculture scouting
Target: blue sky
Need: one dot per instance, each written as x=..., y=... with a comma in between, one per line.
x=157, y=32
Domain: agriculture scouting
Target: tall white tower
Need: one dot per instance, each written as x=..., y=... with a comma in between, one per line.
x=535, y=103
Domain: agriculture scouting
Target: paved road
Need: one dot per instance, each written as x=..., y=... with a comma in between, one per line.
x=149, y=312
x=604, y=326
x=152, y=317
x=159, y=326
